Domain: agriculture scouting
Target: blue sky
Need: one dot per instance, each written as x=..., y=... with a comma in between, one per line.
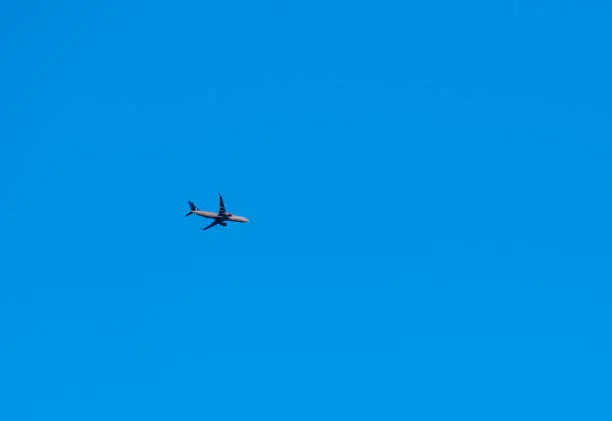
x=428, y=187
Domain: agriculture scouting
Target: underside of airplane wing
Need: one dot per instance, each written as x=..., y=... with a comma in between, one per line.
x=221, y=205
x=212, y=224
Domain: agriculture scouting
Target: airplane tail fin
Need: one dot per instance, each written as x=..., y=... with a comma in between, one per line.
x=192, y=206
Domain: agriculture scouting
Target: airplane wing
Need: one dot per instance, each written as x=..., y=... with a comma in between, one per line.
x=221, y=205
x=212, y=224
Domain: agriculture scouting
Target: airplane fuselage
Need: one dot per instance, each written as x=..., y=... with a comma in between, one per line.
x=221, y=217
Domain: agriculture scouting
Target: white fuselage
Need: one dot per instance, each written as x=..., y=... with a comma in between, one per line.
x=225, y=217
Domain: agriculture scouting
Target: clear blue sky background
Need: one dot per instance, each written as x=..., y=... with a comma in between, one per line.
x=428, y=185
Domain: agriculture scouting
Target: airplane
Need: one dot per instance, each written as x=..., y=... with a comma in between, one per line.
x=220, y=217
